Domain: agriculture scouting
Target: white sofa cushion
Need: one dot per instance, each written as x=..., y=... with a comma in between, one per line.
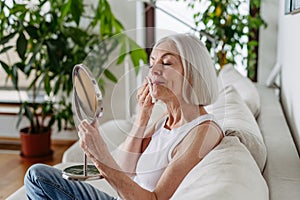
x=228, y=172
x=243, y=85
x=113, y=132
x=236, y=119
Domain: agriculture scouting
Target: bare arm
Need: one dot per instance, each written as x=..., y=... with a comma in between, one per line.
x=94, y=147
x=132, y=147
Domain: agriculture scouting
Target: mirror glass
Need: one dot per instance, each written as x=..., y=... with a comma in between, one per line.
x=87, y=97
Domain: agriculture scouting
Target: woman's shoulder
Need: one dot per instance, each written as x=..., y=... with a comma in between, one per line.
x=202, y=139
x=208, y=123
x=207, y=132
x=210, y=127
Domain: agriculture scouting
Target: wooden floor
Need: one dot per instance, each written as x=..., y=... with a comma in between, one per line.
x=13, y=167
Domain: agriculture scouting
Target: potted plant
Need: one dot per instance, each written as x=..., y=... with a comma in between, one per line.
x=49, y=40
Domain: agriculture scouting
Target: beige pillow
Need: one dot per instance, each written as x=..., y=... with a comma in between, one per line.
x=228, y=172
x=236, y=119
x=243, y=85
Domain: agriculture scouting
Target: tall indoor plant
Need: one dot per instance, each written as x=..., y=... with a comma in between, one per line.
x=51, y=36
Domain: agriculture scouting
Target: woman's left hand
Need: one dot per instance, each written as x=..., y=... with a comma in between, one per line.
x=92, y=143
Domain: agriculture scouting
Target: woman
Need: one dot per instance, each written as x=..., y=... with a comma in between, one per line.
x=153, y=162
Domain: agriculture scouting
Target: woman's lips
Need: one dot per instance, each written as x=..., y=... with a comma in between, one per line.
x=157, y=82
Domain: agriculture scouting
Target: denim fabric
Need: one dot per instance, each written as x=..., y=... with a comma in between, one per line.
x=45, y=182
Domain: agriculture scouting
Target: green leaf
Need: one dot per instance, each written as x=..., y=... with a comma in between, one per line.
x=78, y=35
x=5, y=67
x=21, y=45
x=57, y=85
x=32, y=31
x=53, y=47
x=123, y=52
x=118, y=26
x=136, y=56
x=51, y=123
x=15, y=76
x=5, y=39
x=110, y=76
x=20, y=114
x=47, y=84
x=253, y=43
x=76, y=10
x=65, y=9
x=5, y=49
x=18, y=8
x=20, y=66
x=33, y=82
x=28, y=113
x=101, y=84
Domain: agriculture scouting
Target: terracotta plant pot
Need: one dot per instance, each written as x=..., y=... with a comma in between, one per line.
x=35, y=145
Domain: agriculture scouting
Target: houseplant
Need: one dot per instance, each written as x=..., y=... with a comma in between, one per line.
x=233, y=23
x=50, y=39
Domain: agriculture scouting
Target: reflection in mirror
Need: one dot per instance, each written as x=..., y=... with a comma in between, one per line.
x=87, y=95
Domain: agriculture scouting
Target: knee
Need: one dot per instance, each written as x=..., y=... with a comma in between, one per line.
x=35, y=171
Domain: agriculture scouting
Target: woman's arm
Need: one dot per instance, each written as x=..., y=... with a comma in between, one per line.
x=186, y=155
x=131, y=149
x=95, y=148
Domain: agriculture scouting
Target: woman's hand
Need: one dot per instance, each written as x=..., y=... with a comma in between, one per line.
x=145, y=104
x=92, y=143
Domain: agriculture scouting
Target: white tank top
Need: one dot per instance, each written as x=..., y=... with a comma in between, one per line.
x=158, y=153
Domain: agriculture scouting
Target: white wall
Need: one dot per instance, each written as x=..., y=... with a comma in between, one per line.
x=268, y=39
x=289, y=58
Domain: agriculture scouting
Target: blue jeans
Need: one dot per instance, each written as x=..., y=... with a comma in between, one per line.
x=45, y=182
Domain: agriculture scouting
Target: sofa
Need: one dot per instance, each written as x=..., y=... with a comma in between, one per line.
x=256, y=160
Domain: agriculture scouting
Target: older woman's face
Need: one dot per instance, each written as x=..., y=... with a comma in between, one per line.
x=166, y=71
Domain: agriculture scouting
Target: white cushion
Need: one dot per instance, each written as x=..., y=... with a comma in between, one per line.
x=243, y=85
x=236, y=119
x=228, y=172
x=113, y=132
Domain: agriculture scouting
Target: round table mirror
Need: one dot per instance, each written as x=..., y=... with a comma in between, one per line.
x=87, y=104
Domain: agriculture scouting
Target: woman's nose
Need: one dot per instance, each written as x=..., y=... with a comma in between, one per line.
x=156, y=69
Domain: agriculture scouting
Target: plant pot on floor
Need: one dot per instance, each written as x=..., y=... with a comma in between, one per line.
x=37, y=145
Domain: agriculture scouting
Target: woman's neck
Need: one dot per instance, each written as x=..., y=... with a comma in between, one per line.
x=179, y=114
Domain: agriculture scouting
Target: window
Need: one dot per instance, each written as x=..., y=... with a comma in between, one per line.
x=182, y=19
x=292, y=6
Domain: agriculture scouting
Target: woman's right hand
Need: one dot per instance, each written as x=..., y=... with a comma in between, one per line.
x=145, y=104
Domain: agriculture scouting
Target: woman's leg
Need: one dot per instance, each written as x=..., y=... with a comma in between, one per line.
x=45, y=182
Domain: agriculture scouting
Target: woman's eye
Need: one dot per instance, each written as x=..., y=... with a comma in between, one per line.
x=166, y=63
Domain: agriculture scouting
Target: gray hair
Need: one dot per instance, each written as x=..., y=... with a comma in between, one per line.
x=200, y=81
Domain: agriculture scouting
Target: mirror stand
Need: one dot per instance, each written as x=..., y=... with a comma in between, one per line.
x=81, y=173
